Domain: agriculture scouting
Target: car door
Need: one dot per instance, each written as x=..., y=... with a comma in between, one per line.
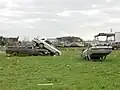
x=29, y=50
x=22, y=50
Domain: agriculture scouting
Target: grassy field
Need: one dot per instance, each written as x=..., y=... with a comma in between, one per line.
x=66, y=72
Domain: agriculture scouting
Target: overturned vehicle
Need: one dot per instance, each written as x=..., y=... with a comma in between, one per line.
x=98, y=49
x=96, y=52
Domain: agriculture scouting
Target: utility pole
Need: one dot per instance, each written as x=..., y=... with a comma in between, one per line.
x=111, y=30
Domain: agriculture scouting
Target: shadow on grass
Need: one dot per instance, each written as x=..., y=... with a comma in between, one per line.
x=17, y=56
x=80, y=59
x=23, y=55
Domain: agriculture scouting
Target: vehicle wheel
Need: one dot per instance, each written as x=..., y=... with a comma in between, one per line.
x=40, y=54
x=41, y=45
x=52, y=54
x=57, y=54
x=14, y=53
x=45, y=53
x=113, y=48
x=101, y=60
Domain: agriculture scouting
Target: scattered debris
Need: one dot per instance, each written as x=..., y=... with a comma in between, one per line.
x=115, y=55
x=67, y=65
x=8, y=58
x=49, y=84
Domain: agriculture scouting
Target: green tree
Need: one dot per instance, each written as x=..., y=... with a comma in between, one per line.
x=2, y=43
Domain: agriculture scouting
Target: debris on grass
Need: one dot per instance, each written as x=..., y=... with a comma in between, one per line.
x=8, y=58
x=115, y=55
x=49, y=84
x=67, y=65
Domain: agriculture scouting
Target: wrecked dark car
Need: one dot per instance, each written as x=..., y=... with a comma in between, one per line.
x=29, y=50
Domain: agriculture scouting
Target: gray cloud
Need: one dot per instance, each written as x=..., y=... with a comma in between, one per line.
x=51, y=18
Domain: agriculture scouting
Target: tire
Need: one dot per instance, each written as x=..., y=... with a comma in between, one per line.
x=101, y=60
x=52, y=54
x=41, y=45
x=57, y=54
x=46, y=53
x=40, y=54
x=15, y=53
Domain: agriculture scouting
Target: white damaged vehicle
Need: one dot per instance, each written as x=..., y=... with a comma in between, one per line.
x=96, y=52
x=45, y=45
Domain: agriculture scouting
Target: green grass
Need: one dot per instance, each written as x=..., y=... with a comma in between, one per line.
x=67, y=72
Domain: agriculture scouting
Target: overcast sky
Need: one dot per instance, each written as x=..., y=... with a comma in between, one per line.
x=52, y=18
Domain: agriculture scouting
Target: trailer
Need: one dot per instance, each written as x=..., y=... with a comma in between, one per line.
x=116, y=43
x=117, y=36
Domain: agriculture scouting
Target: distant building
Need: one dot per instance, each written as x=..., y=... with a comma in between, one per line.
x=89, y=42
